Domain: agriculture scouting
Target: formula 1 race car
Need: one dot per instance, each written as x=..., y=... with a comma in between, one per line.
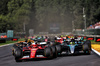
x=40, y=38
x=74, y=46
x=36, y=50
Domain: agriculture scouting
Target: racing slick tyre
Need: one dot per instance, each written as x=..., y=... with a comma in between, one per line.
x=54, y=51
x=18, y=53
x=89, y=43
x=58, y=47
x=48, y=52
x=87, y=47
x=13, y=50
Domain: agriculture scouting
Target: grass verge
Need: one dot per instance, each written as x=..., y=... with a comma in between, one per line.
x=8, y=42
x=93, y=42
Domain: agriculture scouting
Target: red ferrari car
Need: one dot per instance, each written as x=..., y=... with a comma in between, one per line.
x=36, y=50
x=60, y=40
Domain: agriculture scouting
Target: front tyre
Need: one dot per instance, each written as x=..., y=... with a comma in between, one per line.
x=87, y=48
x=18, y=53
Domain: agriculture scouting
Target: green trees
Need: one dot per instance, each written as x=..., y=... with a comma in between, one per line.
x=19, y=11
x=33, y=13
x=16, y=12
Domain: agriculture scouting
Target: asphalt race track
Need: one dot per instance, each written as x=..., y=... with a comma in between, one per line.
x=6, y=59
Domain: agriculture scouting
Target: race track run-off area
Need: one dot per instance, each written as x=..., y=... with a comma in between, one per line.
x=7, y=59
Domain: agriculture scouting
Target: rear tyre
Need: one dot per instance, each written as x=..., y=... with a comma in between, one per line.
x=54, y=51
x=48, y=52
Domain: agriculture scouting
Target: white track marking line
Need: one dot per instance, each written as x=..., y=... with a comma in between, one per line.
x=6, y=45
x=98, y=53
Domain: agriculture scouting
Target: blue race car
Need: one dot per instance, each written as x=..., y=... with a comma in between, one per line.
x=75, y=46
